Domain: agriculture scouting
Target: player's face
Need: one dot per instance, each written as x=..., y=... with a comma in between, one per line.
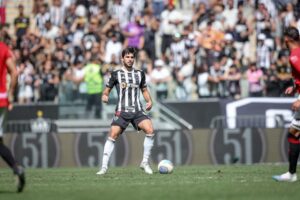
x=286, y=41
x=128, y=60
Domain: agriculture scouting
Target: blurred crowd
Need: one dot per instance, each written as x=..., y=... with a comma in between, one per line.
x=210, y=48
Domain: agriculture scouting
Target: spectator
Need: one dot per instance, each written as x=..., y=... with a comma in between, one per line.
x=178, y=51
x=170, y=24
x=233, y=77
x=203, y=82
x=272, y=82
x=201, y=14
x=284, y=70
x=70, y=16
x=217, y=88
x=160, y=77
x=92, y=76
x=22, y=24
x=91, y=36
x=49, y=80
x=158, y=6
x=57, y=13
x=151, y=27
x=255, y=76
x=61, y=62
x=113, y=48
x=263, y=53
x=51, y=31
x=25, y=80
x=233, y=32
x=134, y=34
x=41, y=18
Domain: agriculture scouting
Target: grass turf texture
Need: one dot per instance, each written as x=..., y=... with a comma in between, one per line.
x=188, y=182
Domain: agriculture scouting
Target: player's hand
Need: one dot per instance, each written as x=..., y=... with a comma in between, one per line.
x=10, y=106
x=10, y=101
x=296, y=105
x=289, y=90
x=148, y=105
x=104, y=98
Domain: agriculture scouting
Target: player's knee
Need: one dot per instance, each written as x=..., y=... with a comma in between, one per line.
x=111, y=139
x=113, y=136
x=150, y=132
x=292, y=130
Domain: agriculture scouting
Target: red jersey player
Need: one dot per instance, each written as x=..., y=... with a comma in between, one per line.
x=292, y=40
x=7, y=65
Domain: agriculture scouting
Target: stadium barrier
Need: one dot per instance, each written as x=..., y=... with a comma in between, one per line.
x=77, y=143
x=247, y=131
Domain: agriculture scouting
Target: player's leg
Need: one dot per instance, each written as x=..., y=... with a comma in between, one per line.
x=147, y=127
x=118, y=125
x=109, y=147
x=294, y=150
x=7, y=156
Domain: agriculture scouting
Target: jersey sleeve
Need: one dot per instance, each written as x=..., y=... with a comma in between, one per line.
x=295, y=61
x=112, y=80
x=8, y=53
x=143, y=83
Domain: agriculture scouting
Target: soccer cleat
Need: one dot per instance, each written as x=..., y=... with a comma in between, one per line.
x=146, y=167
x=102, y=171
x=287, y=177
x=20, y=179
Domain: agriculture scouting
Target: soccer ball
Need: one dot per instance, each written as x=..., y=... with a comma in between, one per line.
x=165, y=167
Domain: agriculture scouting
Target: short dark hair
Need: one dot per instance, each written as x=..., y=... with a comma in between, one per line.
x=292, y=33
x=129, y=50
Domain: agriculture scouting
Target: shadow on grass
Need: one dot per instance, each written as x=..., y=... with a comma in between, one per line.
x=7, y=192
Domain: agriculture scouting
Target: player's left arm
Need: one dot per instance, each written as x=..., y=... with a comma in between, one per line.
x=145, y=91
x=11, y=68
x=295, y=61
x=147, y=98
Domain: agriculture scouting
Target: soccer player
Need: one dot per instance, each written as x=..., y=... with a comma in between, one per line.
x=129, y=82
x=7, y=64
x=292, y=40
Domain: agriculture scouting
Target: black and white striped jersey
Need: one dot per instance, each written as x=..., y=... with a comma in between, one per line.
x=128, y=85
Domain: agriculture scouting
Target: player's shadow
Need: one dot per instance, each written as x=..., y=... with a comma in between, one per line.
x=7, y=192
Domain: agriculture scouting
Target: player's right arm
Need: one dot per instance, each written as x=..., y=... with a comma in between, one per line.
x=290, y=90
x=110, y=84
x=11, y=68
x=105, y=94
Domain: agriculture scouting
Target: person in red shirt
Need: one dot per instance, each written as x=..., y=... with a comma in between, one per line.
x=292, y=40
x=7, y=65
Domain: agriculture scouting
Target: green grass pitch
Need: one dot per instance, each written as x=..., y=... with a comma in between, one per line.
x=235, y=182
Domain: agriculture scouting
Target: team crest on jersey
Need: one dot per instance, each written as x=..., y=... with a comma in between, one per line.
x=123, y=85
x=294, y=58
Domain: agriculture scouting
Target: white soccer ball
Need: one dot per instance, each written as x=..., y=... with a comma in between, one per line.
x=165, y=167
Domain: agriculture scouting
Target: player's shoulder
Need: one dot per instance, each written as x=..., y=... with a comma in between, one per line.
x=3, y=45
x=139, y=71
x=116, y=70
x=295, y=51
x=295, y=55
x=4, y=48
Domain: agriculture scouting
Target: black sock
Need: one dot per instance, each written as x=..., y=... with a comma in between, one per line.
x=294, y=150
x=8, y=157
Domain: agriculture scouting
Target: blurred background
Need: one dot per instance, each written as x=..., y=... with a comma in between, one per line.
x=216, y=69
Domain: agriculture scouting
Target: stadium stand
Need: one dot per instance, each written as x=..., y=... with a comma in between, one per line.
x=227, y=49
